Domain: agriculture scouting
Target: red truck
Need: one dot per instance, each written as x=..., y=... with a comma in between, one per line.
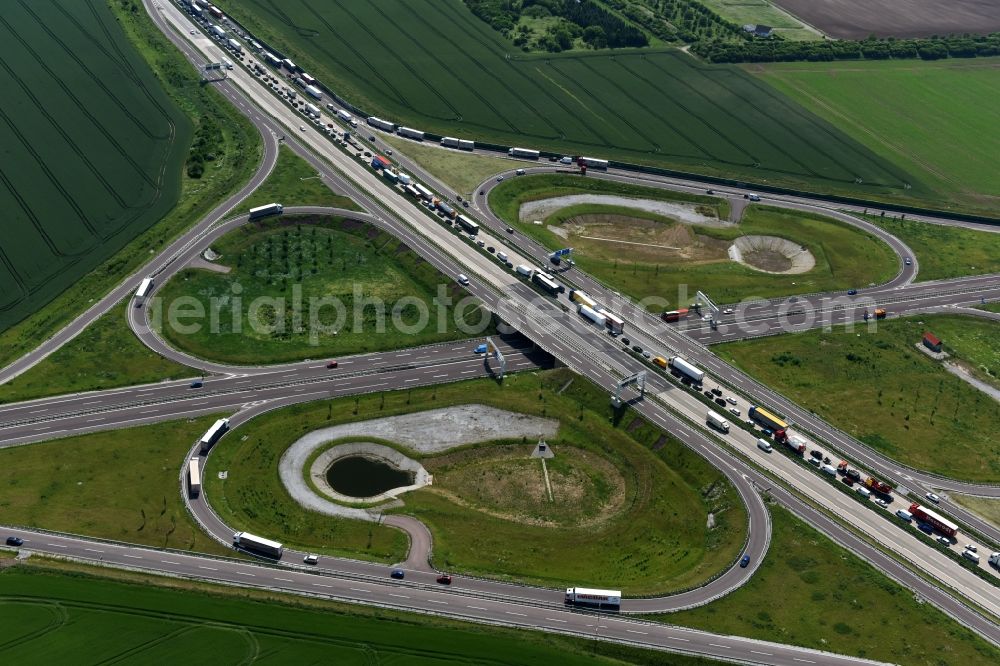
x=877, y=486
x=935, y=520
x=674, y=315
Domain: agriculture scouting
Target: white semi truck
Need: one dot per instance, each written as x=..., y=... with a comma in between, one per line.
x=582, y=596
x=264, y=211
x=717, y=422
x=525, y=153
x=686, y=369
x=592, y=314
x=256, y=544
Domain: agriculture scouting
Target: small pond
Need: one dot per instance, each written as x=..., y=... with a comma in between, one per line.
x=360, y=476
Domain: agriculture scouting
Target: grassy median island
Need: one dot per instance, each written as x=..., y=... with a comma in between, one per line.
x=294, y=182
x=631, y=506
x=269, y=309
x=168, y=620
x=648, y=253
x=119, y=484
x=987, y=507
x=943, y=251
x=457, y=169
x=826, y=598
x=881, y=389
x=105, y=355
x=236, y=147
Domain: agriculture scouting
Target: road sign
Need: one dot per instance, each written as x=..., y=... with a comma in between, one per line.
x=563, y=252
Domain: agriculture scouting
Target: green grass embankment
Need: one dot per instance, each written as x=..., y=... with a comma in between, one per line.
x=119, y=484
x=640, y=524
x=943, y=251
x=105, y=355
x=294, y=182
x=879, y=388
x=811, y=592
x=278, y=263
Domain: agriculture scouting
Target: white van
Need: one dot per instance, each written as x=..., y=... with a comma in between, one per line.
x=463, y=279
x=764, y=445
x=502, y=256
x=905, y=515
x=864, y=492
x=829, y=469
x=969, y=555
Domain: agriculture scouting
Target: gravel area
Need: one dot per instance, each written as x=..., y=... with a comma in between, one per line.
x=686, y=213
x=967, y=377
x=428, y=432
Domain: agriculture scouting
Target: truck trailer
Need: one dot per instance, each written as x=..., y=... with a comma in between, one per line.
x=144, y=287
x=289, y=65
x=379, y=162
x=690, y=371
x=410, y=133
x=194, y=478
x=213, y=434
x=234, y=45
x=265, y=210
x=877, y=486
x=615, y=323
x=344, y=115
x=465, y=144
x=717, y=421
x=547, y=284
x=581, y=297
x=381, y=124
x=256, y=544
x=674, y=315
x=449, y=142
x=217, y=31
x=592, y=163
x=797, y=444
x=592, y=314
x=935, y=520
x=766, y=418
x=525, y=153
x=314, y=92
x=468, y=226
x=582, y=596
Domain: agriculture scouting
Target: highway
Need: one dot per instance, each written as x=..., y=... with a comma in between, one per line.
x=556, y=331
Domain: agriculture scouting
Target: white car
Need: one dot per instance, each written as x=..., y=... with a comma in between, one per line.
x=971, y=548
x=932, y=497
x=881, y=502
x=302, y=128
x=735, y=412
x=311, y=559
x=731, y=400
x=727, y=311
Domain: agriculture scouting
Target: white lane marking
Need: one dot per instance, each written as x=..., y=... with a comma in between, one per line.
x=321, y=585
x=414, y=379
x=513, y=613
x=465, y=372
x=100, y=418
x=39, y=411
x=401, y=596
x=438, y=602
x=149, y=411
x=358, y=589
x=245, y=573
x=287, y=580
x=804, y=661
x=207, y=568
x=55, y=545
x=169, y=562
x=766, y=654
x=438, y=376
x=134, y=557
x=633, y=631
x=552, y=619
x=94, y=551
x=476, y=607
x=721, y=646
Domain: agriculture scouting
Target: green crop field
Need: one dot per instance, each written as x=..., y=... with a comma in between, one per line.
x=431, y=64
x=105, y=355
x=642, y=526
x=826, y=598
x=845, y=256
x=317, y=258
x=937, y=121
x=120, y=484
x=92, y=148
x=461, y=171
x=55, y=612
x=880, y=389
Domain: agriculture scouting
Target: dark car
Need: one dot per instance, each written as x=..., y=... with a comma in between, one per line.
x=924, y=527
x=854, y=474
x=465, y=203
x=626, y=341
x=848, y=480
x=331, y=365
x=708, y=394
x=371, y=137
x=852, y=292
x=15, y=541
x=444, y=579
x=637, y=349
x=491, y=249
x=745, y=562
x=510, y=230
x=717, y=391
x=720, y=402
x=709, y=191
x=398, y=573
x=818, y=455
x=197, y=383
